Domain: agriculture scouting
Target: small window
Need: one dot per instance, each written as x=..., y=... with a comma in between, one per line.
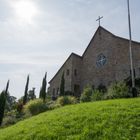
x=68, y=72
x=75, y=72
x=57, y=91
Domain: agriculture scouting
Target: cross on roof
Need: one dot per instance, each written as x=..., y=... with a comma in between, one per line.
x=99, y=18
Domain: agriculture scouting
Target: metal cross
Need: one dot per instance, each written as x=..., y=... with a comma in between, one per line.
x=99, y=18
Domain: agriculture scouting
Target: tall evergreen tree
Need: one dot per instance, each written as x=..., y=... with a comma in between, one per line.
x=62, y=85
x=25, y=98
x=3, y=102
x=7, y=86
x=43, y=88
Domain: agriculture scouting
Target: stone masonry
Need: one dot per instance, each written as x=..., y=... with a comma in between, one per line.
x=105, y=60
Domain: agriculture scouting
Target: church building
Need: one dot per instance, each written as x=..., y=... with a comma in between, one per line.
x=105, y=60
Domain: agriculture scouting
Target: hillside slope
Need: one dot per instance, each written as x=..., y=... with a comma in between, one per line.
x=104, y=120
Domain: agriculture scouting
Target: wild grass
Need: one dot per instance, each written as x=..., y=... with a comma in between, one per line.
x=102, y=120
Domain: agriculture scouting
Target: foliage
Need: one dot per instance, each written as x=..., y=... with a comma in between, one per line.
x=52, y=105
x=35, y=107
x=19, y=107
x=25, y=98
x=3, y=102
x=2, y=105
x=31, y=94
x=42, y=93
x=86, y=95
x=10, y=102
x=69, y=93
x=10, y=120
x=62, y=85
x=102, y=88
x=96, y=95
x=108, y=120
x=135, y=91
x=65, y=100
x=118, y=90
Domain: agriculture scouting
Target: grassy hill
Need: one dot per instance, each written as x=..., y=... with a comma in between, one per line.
x=104, y=120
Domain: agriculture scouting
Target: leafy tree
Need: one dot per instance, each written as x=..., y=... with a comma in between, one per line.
x=3, y=102
x=31, y=94
x=62, y=85
x=10, y=102
x=43, y=88
x=25, y=98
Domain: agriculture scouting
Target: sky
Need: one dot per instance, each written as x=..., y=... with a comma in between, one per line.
x=37, y=36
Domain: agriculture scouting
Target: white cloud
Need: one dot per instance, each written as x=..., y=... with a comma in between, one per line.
x=61, y=27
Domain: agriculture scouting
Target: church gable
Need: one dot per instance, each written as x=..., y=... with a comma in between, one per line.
x=100, y=35
x=99, y=59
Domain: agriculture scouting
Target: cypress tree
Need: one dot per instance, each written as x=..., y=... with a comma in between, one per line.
x=26, y=91
x=62, y=85
x=3, y=102
x=43, y=88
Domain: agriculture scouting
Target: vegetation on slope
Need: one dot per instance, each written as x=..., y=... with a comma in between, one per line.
x=103, y=120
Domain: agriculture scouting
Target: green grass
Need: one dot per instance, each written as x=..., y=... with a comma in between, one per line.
x=104, y=120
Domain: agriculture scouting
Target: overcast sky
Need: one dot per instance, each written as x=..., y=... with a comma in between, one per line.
x=38, y=35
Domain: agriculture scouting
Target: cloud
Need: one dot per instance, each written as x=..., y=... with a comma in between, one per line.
x=61, y=27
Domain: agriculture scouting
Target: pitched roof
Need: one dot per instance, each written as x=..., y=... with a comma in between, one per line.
x=72, y=54
x=99, y=28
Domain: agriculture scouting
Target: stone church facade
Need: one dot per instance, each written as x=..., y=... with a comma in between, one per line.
x=105, y=60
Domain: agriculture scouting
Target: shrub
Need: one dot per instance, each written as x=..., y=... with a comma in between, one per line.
x=86, y=95
x=10, y=120
x=96, y=95
x=118, y=90
x=65, y=100
x=19, y=107
x=102, y=88
x=69, y=93
x=35, y=107
x=53, y=105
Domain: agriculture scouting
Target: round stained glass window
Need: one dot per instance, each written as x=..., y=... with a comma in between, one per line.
x=101, y=60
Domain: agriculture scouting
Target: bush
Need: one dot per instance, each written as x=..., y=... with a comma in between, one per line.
x=102, y=88
x=96, y=95
x=10, y=120
x=69, y=93
x=65, y=100
x=35, y=107
x=86, y=95
x=118, y=90
x=52, y=105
